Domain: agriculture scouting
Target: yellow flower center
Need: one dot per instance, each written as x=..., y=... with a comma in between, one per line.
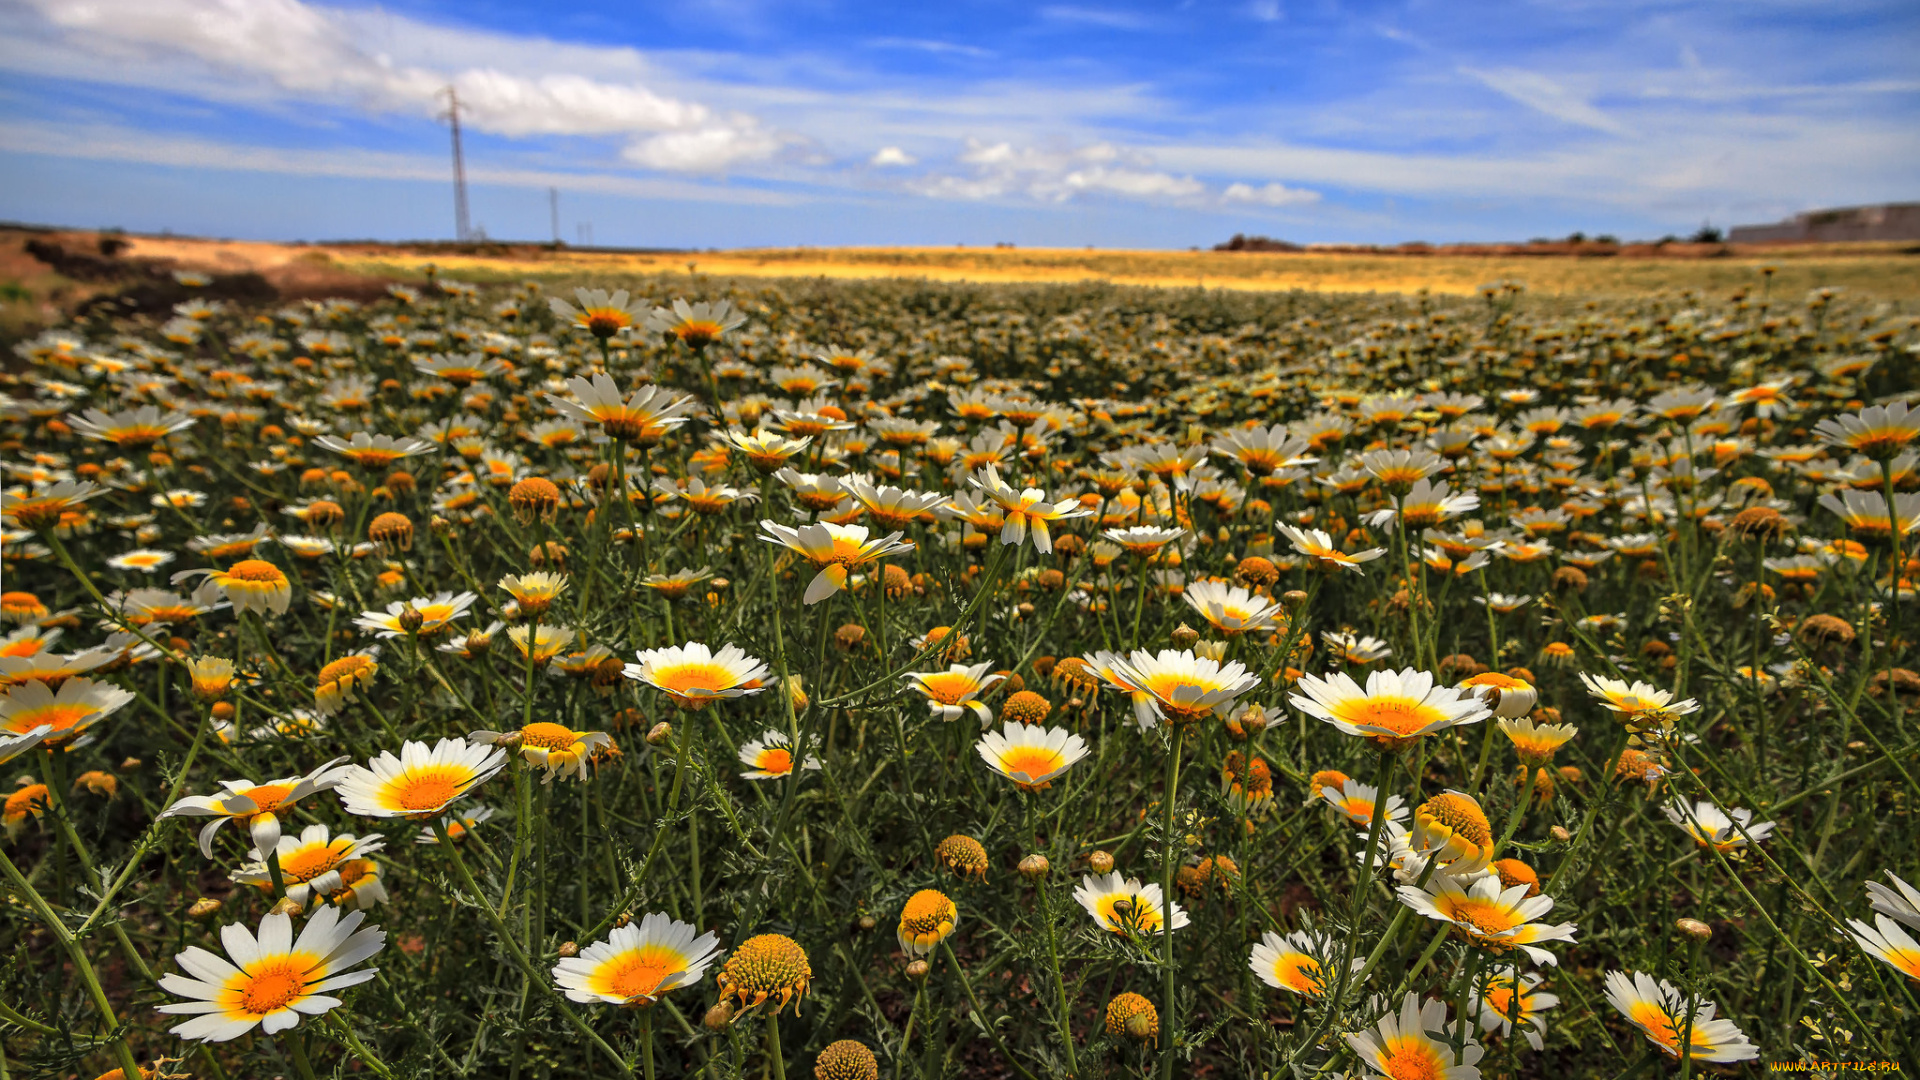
x=1411, y=1057
x=638, y=971
x=1031, y=761
x=1299, y=972
x=547, y=736
x=694, y=678
x=1459, y=814
x=309, y=863
x=1403, y=715
x=273, y=986
x=429, y=789
x=61, y=715
x=1484, y=916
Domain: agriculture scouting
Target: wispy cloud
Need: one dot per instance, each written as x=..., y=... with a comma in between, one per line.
x=926, y=45
x=1108, y=18
x=1544, y=95
x=118, y=144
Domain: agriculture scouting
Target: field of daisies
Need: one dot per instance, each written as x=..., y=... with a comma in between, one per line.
x=932, y=681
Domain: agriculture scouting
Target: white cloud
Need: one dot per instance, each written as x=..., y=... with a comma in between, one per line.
x=888, y=156
x=1273, y=194
x=1265, y=10
x=1057, y=175
x=292, y=50
x=1543, y=95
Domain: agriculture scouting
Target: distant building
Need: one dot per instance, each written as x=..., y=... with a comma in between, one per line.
x=1888, y=221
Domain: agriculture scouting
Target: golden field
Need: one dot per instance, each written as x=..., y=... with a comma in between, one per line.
x=1882, y=271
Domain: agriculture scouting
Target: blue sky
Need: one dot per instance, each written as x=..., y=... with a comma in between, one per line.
x=727, y=123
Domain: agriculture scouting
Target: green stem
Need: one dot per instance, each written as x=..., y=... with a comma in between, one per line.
x=1167, y=853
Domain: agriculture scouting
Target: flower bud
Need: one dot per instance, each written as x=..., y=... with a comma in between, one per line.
x=868, y=922
x=918, y=970
x=204, y=908
x=718, y=1017
x=1184, y=636
x=1560, y=833
x=1100, y=862
x=1693, y=928
x=1034, y=867
x=411, y=619
x=569, y=949
x=132, y=764
x=289, y=907
x=660, y=734
x=1295, y=599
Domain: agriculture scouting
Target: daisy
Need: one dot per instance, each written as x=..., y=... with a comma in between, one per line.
x=1416, y=1044
x=1395, y=706
x=556, y=748
x=767, y=451
x=1493, y=918
x=32, y=713
x=693, y=676
x=1356, y=800
x=1536, y=743
x=696, y=325
x=892, y=507
x=1030, y=755
x=637, y=963
x=273, y=979
x=1264, y=451
x=1318, y=546
x=1026, y=509
x=256, y=806
x=1143, y=540
x=1125, y=906
x=1177, y=687
x=1866, y=511
x=1507, y=695
x=1638, y=701
x=435, y=613
x=1508, y=998
x=1658, y=1009
x=771, y=756
x=1878, y=431
x=1291, y=962
x=1889, y=942
x=134, y=429
x=421, y=781
x=144, y=560
x=374, y=451
x=835, y=549
x=954, y=692
x=1425, y=505
x=460, y=369
x=1231, y=609
x=534, y=592
x=1355, y=648
x=45, y=505
x=601, y=314
x=1708, y=826
x=1107, y=667
x=254, y=585
x=539, y=643
x=312, y=866
x=643, y=417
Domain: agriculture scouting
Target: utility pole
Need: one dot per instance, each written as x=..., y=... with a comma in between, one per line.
x=553, y=207
x=461, y=231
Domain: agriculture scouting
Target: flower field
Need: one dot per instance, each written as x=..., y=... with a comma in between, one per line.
x=852, y=679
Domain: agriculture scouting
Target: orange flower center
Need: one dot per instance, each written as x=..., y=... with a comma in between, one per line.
x=256, y=572
x=273, y=987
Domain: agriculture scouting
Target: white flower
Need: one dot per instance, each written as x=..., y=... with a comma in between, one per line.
x=272, y=980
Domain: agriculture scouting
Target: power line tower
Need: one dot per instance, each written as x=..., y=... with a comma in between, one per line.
x=461, y=231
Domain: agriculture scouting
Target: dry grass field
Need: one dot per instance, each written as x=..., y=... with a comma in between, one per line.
x=1883, y=271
